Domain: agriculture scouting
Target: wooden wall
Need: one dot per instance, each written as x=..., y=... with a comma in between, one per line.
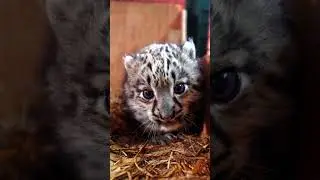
x=134, y=25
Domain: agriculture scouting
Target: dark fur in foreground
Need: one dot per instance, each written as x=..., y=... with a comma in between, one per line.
x=62, y=133
x=251, y=133
x=77, y=81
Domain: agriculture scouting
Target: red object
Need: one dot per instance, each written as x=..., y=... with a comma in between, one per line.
x=181, y=2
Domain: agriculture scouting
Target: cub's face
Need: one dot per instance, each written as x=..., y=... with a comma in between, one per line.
x=162, y=83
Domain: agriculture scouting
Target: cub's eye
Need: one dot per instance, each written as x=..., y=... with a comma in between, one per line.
x=179, y=88
x=225, y=86
x=147, y=94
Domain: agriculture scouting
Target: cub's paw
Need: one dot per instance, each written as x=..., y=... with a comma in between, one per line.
x=166, y=138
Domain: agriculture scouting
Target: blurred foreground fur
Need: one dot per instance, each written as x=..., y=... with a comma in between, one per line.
x=78, y=79
x=60, y=131
x=252, y=132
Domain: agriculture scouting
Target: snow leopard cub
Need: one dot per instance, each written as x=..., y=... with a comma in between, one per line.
x=163, y=89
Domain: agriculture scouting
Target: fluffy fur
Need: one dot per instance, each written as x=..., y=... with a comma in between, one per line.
x=57, y=128
x=77, y=82
x=159, y=68
x=250, y=133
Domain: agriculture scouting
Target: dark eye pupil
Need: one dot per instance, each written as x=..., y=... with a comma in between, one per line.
x=179, y=89
x=225, y=86
x=147, y=94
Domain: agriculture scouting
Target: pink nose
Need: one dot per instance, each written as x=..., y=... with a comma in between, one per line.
x=168, y=116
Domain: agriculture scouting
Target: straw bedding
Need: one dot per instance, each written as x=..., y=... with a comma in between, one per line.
x=181, y=159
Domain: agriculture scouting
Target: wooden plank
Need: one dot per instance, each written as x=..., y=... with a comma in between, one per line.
x=134, y=25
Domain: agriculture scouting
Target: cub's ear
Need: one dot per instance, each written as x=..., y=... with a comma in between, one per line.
x=189, y=48
x=129, y=62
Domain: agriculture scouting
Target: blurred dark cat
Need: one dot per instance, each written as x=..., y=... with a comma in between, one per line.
x=251, y=103
x=55, y=126
x=78, y=82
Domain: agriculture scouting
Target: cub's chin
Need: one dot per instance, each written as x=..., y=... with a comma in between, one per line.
x=163, y=127
x=170, y=127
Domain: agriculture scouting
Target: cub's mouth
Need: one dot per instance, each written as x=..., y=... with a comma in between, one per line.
x=170, y=126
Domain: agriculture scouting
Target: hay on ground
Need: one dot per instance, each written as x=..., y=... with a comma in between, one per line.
x=185, y=159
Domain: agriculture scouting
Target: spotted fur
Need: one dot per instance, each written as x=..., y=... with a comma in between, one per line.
x=250, y=133
x=77, y=82
x=159, y=67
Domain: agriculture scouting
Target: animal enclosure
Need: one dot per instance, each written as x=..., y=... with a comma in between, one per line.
x=133, y=25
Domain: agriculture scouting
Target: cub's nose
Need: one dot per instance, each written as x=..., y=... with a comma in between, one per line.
x=167, y=115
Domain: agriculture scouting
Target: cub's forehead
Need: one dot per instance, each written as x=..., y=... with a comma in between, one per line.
x=162, y=64
x=162, y=55
x=158, y=48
